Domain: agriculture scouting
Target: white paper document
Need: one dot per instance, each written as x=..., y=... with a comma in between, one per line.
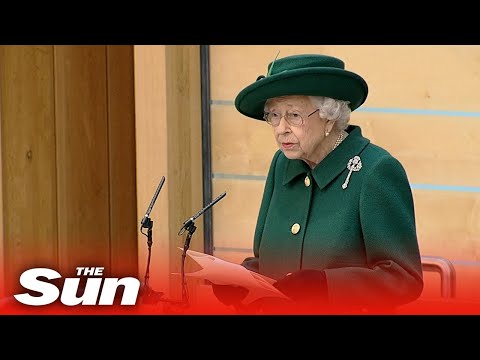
x=223, y=272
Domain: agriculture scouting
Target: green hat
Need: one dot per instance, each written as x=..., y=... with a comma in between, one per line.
x=311, y=75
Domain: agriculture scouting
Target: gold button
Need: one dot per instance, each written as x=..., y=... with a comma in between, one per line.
x=295, y=228
x=307, y=181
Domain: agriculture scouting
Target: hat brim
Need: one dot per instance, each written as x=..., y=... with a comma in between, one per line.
x=335, y=83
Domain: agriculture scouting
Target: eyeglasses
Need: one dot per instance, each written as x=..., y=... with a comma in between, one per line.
x=292, y=118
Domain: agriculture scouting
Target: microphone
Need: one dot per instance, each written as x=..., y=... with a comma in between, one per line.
x=190, y=226
x=188, y=222
x=150, y=207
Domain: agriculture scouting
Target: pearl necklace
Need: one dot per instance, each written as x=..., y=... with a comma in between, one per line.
x=340, y=138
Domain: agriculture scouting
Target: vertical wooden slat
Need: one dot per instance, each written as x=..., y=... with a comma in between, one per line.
x=82, y=157
x=121, y=128
x=151, y=159
x=184, y=147
x=28, y=160
x=2, y=212
x=184, y=138
x=168, y=143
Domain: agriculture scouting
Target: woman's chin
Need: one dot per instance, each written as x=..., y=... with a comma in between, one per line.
x=291, y=154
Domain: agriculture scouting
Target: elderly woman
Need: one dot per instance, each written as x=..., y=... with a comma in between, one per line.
x=336, y=226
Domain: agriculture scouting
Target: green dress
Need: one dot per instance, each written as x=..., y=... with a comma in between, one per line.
x=362, y=234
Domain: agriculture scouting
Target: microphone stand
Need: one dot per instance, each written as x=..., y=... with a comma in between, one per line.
x=150, y=296
x=191, y=229
x=189, y=225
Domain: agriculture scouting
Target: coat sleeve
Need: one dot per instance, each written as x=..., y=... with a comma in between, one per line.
x=394, y=272
x=252, y=263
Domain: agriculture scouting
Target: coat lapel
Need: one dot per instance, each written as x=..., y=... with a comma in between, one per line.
x=335, y=162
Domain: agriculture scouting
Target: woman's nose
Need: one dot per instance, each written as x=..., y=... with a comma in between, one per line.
x=283, y=126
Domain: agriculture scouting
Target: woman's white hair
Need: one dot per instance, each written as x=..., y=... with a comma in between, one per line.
x=332, y=109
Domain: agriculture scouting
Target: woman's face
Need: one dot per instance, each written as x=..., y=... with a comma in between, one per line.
x=303, y=141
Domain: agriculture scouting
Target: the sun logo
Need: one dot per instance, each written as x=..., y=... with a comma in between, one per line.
x=97, y=290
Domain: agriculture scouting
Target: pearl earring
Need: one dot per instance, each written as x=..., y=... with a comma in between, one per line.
x=327, y=133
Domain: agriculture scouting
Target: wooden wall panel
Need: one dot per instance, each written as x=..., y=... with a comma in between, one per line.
x=434, y=149
x=240, y=145
x=82, y=156
x=122, y=177
x=28, y=159
x=168, y=133
x=399, y=76
x=235, y=216
x=448, y=224
x=3, y=277
x=151, y=158
x=184, y=135
x=67, y=160
x=184, y=139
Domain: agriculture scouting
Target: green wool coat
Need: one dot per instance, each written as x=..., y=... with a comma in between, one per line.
x=363, y=236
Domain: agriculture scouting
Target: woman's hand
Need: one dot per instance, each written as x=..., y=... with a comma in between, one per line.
x=230, y=294
x=304, y=286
